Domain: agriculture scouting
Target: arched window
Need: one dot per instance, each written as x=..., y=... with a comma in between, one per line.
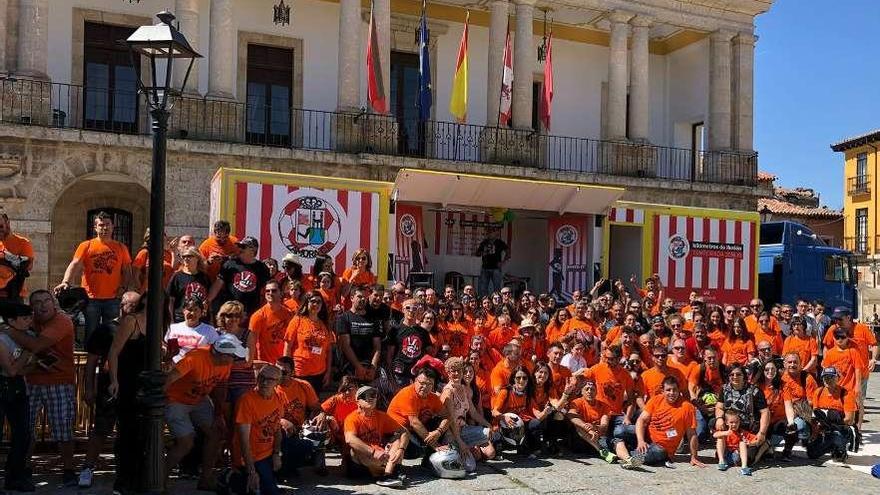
x=122, y=224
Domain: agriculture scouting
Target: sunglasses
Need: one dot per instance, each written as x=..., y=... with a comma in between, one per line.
x=229, y=315
x=409, y=308
x=368, y=396
x=521, y=378
x=763, y=349
x=659, y=356
x=754, y=305
x=316, y=301
x=678, y=348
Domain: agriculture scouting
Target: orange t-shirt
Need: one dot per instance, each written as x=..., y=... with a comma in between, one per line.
x=291, y=304
x=458, y=336
x=210, y=246
x=845, y=401
x=296, y=396
x=775, y=402
x=686, y=369
x=611, y=385
x=589, y=413
x=560, y=375
x=142, y=264
x=753, y=326
x=554, y=332
x=712, y=378
x=670, y=422
x=862, y=338
x=407, y=403
x=269, y=327
x=733, y=439
x=60, y=330
x=20, y=246
x=500, y=374
x=500, y=337
x=793, y=390
x=804, y=347
x=846, y=361
x=774, y=337
x=339, y=406
x=362, y=278
x=372, y=429
x=717, y=338
x=311, y=342
x=102, y=267
x=652, y=380
x=264, y=416
x=199, y=376
x=613, y=335
x=737, y=351
x=507, y=401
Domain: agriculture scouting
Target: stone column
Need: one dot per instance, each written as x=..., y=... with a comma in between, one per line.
x=348, y=78
x=743, y=91
x=523, y=64
x=222, y=51
x=618, y=77
x=719, y=90
x=33, y=39
x=3, y=29
x=187, y=13
x=498, y=21
x=640, y=103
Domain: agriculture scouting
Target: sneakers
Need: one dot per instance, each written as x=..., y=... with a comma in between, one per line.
x=607, y=456
x=633, y=462
x=746, y=471
x=389, y=481
x=722, y=466
x=669, y=465
x=85, y=477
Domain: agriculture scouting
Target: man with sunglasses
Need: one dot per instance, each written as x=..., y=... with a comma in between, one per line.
x=377, y=441
x=241, y=279
x=617, y=390
x=398, y=295
x=845, y=357
x=269, y=325
x=257, y=441
x=680, y=359
x=756, y=307
x=652, y=378
x=862, y=339
x=300, y=404
x=406, y=343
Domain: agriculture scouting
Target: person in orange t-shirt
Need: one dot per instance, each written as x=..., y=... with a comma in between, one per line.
x=864, y=341
x=300, y=405
x=588, y=331
x=846, y=359
x=310, y=342
x=802, y=344
x=104, y=267
x=765, y=332
x=756, y=307
x=376, y=440
x=14, y=269
x=187, y=386
x=500, y=374
x=590, y=418
x=665, y=421
x=458, y=332
x=560, y=373
x=553, y=331
x=735, y=445
x=359, y=274
x=420, y=411
x=337, y=407
x=738, y=347
x=832, y=396
x=652, y=378
x=218, y=248
x=502, y=335
x=616, y=387
x=141, y=263
x=256, y=446
x=269, y=325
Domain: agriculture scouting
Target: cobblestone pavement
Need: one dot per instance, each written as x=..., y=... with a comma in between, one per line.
x=588, y=475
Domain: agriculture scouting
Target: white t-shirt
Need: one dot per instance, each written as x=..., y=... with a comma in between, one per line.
x=573, y=362
x=188, y=338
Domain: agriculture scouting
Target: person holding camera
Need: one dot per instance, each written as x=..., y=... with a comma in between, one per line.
x=14, y=361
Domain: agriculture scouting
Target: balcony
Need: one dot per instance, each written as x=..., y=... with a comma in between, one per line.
x=858, y=185
x=66, y=106
x=858, y=245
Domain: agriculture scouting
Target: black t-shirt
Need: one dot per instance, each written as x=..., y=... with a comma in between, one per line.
x=243, y=282
x=183, y=285
x=490, y=250
x=410, y=343
x=362, y=331
x=381, y=315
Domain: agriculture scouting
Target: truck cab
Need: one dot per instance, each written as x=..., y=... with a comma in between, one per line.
x=794, y=262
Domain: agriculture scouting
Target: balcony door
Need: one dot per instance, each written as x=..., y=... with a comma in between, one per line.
x=404, y=103
x=110, y=93
x=269, y=95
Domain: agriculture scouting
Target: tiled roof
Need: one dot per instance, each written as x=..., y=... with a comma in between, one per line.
x=766, y=176
x=778, y=207
x=856, y=141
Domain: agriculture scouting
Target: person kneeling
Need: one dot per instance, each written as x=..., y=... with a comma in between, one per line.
x=377, y=442
x=735, y=445
x=590, y=418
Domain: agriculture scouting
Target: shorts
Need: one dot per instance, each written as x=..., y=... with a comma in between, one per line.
x=183, y=418
x=474, y=436
x=733, y=459
x=59, y=402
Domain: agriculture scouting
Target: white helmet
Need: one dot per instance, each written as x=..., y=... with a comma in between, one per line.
x=469, y=462
x=317, y=436
x=513, y=435
x=447, y=464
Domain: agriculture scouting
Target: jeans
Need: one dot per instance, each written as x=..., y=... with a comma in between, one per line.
x=655, y=455
x=14, y=404
x=702, y=426
x=268, y=484
x=829, y=441
x=618, y=431
x=100, y=311
x=295, y=453
x=489, y=276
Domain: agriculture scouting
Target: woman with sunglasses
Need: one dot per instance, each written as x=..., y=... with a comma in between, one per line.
x=337, y=407
x=310, y=342
x=769, y=380
x=470, y=426
x=518, y=397
x=359, y=274
x=476, y=376
x=188, y=279
x=738, y=347
x=749, y=401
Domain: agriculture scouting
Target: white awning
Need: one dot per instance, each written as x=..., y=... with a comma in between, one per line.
x=447, y=188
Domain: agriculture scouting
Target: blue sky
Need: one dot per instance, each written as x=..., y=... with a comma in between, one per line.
x=817, y=80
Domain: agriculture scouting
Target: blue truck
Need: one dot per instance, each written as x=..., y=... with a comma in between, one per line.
x=794, y=262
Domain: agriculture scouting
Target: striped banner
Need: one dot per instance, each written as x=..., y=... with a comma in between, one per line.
x=714, y=257
x=627, y=215
x=308, y=221
x=462, y=232
x=409, y=242
x=568, y=268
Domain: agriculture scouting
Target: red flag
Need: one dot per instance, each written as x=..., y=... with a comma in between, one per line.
x=375, y=86
x=506, y=84
x=547, y=89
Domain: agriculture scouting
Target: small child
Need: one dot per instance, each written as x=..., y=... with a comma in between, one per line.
x=735, y=446
x=575, y=360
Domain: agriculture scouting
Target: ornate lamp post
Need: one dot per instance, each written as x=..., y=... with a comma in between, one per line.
x=160, y=44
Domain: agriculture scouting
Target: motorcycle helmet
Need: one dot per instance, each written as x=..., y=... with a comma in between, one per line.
x=317, y=436
x=709, y=398
x=447, y=464
x=513, y=435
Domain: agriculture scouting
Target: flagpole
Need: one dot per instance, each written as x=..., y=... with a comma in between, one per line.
x=501, y=88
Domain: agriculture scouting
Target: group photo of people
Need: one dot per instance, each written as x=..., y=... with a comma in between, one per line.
x=270, y=368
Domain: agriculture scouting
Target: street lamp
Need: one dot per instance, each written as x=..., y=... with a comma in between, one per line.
x=161, y=44
x=766, y=214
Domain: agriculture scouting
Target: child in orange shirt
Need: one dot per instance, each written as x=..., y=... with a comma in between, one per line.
x=734, y=445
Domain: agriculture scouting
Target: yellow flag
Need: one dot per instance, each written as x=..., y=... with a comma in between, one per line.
x=458, y=99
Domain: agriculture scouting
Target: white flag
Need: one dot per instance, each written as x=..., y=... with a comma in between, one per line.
x=506, y=84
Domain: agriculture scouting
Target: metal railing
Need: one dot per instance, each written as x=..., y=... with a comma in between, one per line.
x=257, y=122
x=858, y=245
x=860, y=184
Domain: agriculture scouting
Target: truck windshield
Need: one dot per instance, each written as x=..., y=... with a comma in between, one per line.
x=837, y=268
x=771, y=233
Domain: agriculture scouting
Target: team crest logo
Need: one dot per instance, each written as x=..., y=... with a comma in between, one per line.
x=245, y=281
x=407, y=225
x=679, y=247
x=566, y=236
x=309, y=226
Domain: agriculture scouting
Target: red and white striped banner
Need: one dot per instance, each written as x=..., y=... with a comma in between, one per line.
x=409, y=241
x=308, y=221
x=461, y=233
x=627, y=215
x=569, y=261
x=714, y=257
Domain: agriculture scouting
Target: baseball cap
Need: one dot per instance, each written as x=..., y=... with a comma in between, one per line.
x=248, y=242
x=829, y=372
x=840, y=312
x=658, y=319
x=229, y=344
x=363, y=390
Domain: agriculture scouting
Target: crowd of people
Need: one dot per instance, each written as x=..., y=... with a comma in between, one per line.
x=269, y=366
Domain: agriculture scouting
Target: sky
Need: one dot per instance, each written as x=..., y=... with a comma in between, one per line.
x=817, y=81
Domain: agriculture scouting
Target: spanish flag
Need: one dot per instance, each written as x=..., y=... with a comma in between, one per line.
x=458, y=99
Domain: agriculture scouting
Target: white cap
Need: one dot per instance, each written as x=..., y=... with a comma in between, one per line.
x=229, y=344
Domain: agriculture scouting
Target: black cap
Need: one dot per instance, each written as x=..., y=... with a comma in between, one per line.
x=11, y=310
x=248, y=242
